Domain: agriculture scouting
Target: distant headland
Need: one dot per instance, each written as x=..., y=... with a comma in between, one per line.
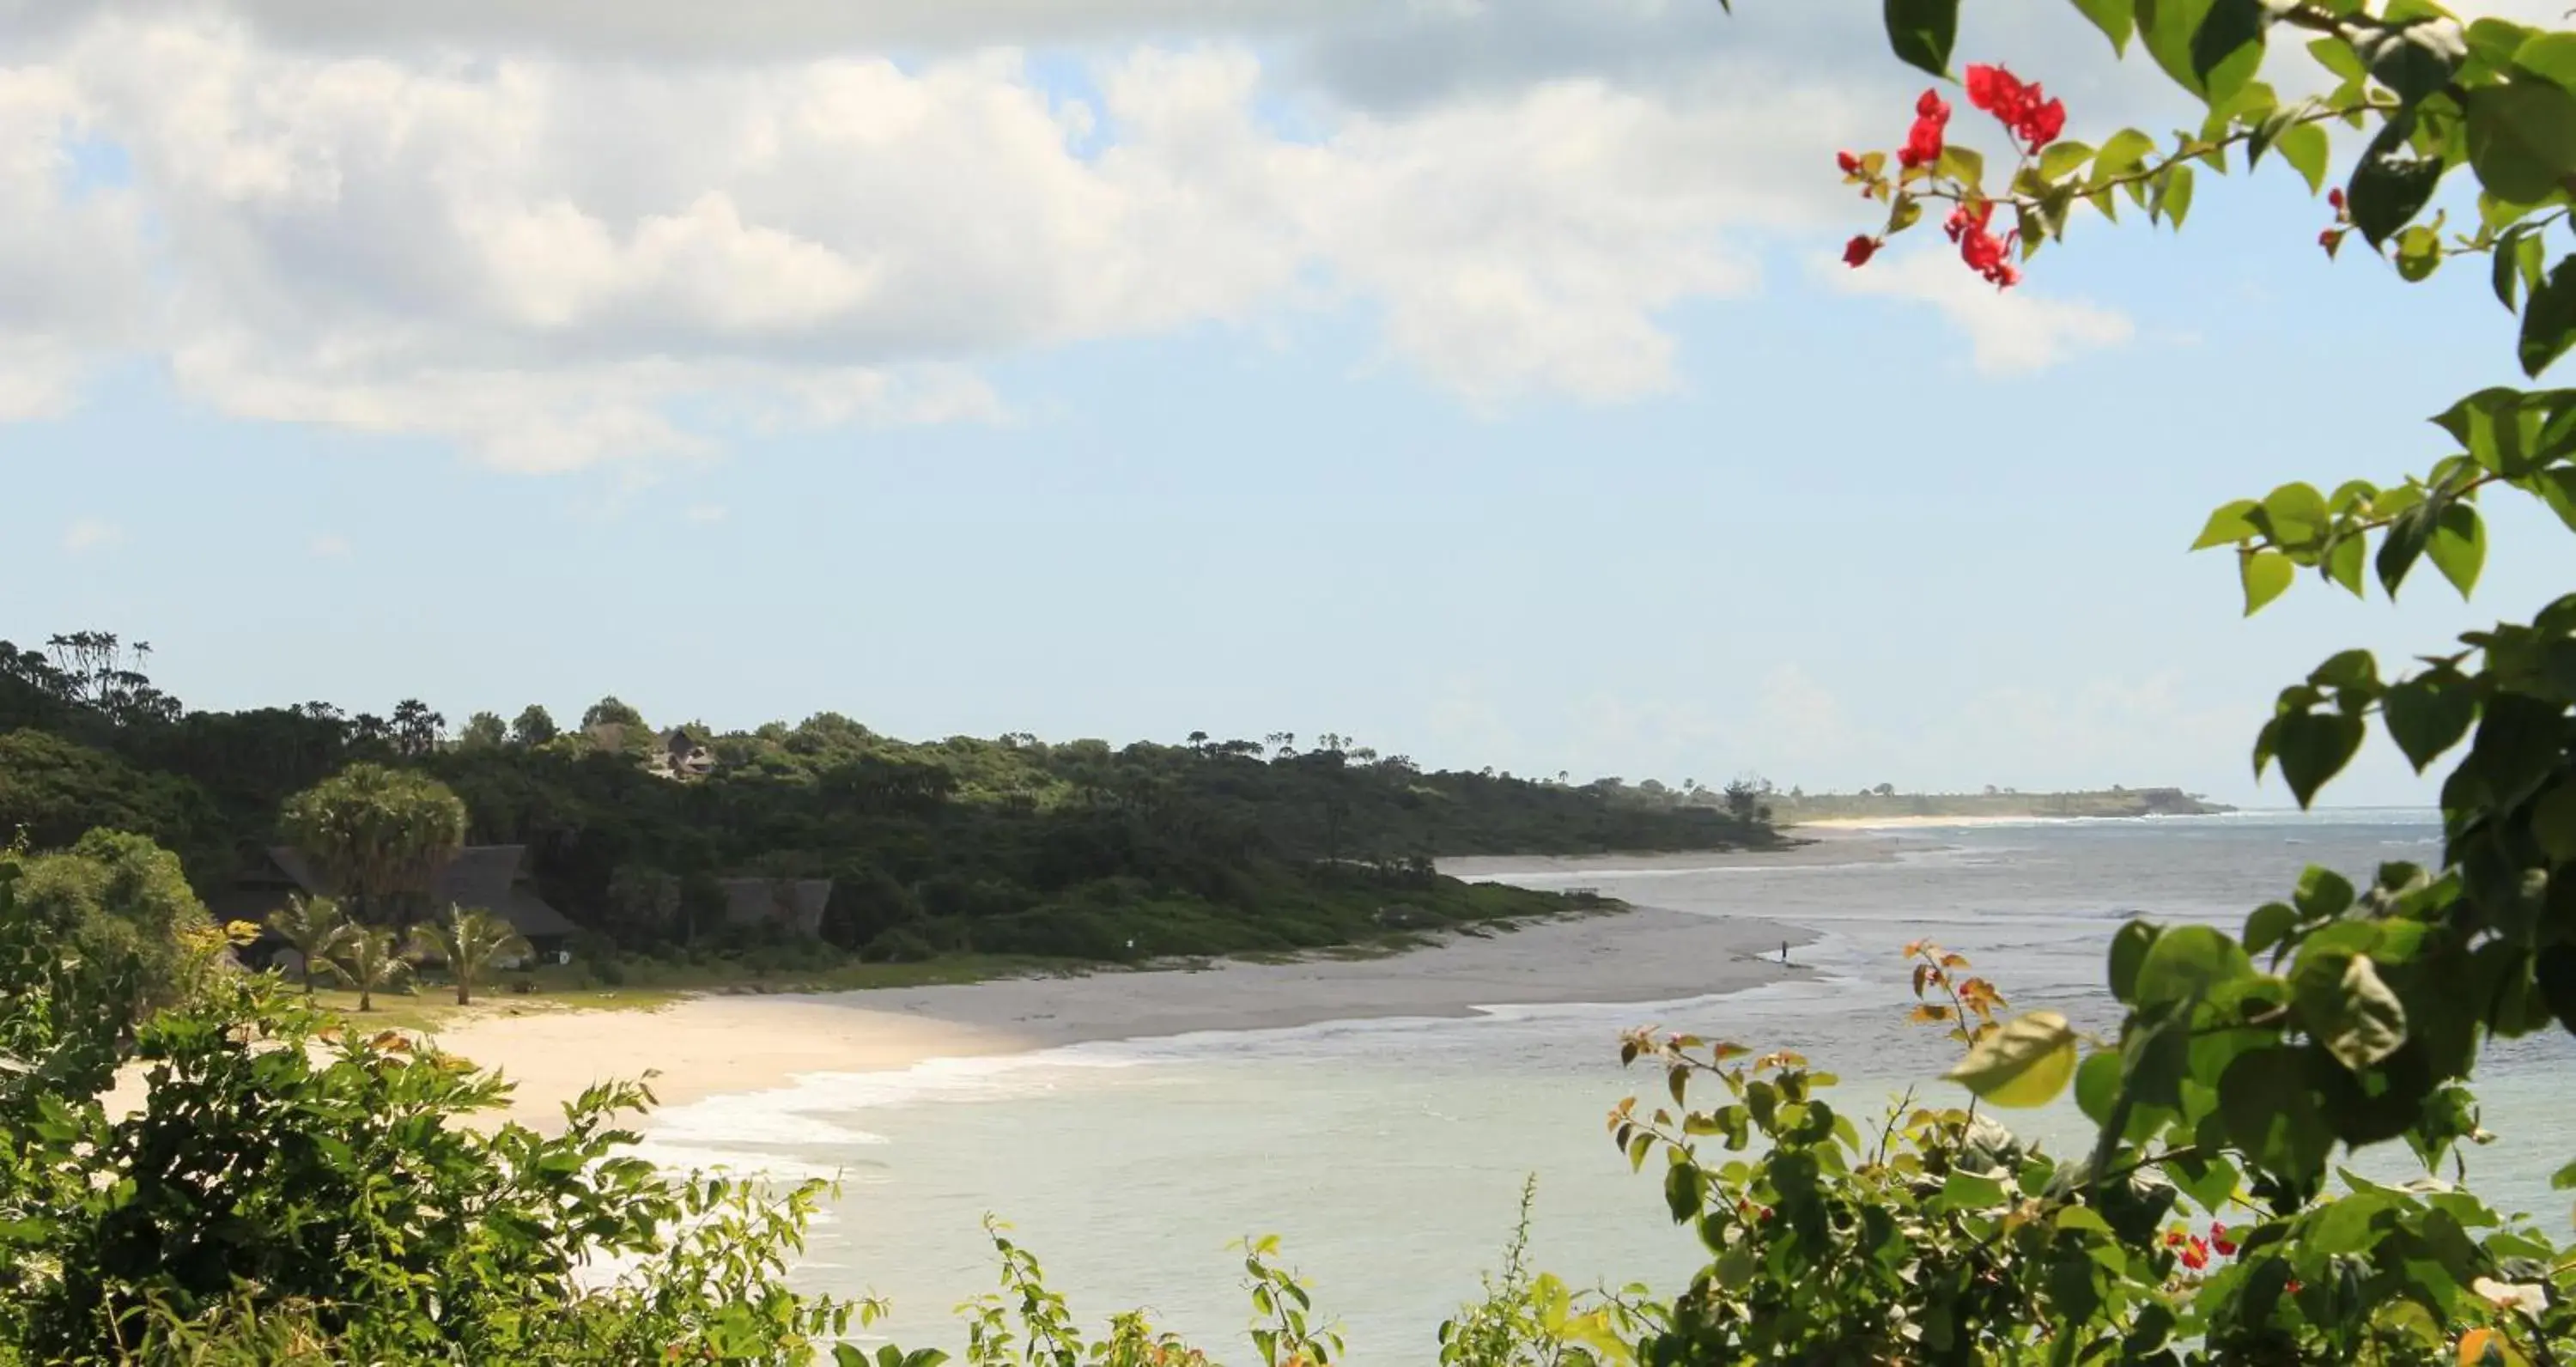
x=1884, y=803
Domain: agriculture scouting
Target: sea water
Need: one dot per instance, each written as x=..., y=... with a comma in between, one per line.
x=1389, y=1155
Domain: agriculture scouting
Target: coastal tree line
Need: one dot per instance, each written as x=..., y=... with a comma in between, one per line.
x=1009, y=845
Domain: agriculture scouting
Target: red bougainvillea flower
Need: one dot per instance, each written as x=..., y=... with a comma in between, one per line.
x=2042, y=122
x=1849, y=163
x=1985, y=253
x=1858, y=251
x=2033, y=118
x=2218, y=1240
x=1992, y=89
x=2334, y=198
x=2195, y=1254
x=1923, y=140
x=2173, y=1238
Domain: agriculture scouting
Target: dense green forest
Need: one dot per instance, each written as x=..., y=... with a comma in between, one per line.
x=1002, y=846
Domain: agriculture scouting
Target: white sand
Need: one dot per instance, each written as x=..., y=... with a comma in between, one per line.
x=1911, y=823
x=714, y=1045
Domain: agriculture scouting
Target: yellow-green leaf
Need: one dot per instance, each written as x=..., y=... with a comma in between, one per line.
x=2267, y=575
x=2025, y=1063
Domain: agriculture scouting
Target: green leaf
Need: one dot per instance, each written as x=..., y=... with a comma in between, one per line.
x=2403, y=543
x=2344, y=558
x=2270, y=924
x=2271, y=1114
x=2551, y=56
x=2323, y=894
x=2266, y=575
x=2414, y=60
x=2510, y=432
x=2129, y=946
x=2428, y=714
x=2553, y=822
x=2211, y=1182
x=2312, y=747
x=2097, y=1085
x=1963, y=164
x=2553, y=972
x=2391, y=186
x=2307, y=149
x=2188, y=959
x=1964, y=1190
x=2349, y=1010
x=2419, y=253
x=2025, y=1063
x=2082, y=1218
x=2296, y=514
x=1684, y=1185
x=2172, y=195
x=2281, y=120
x=2122, y=154
x=2492, y=42
x=2505, y=268
x=2522, y=139
x=2210, y=47
x=2228, y=525
x=2459, y=546
x=2061, y=158
x=1922, y=32
x=2116, y=18
x=2337, y=56
x=2549, y=319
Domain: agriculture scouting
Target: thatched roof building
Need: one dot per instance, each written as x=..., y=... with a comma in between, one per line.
x=492, y=877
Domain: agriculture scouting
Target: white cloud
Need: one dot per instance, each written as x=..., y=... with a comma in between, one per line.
x=706, y=513
x=541, y=233
x=2010, y=331
x=330, y=547
x=71, y=260
x=89, y=534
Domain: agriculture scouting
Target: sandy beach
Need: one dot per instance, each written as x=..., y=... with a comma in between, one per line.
x=708, y=1046
x=1912, y=823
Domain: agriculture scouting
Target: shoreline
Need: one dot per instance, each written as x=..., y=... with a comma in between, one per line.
x=1916, y=823
x=710, y=1046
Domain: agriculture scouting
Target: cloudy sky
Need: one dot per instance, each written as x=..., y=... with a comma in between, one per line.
x=1475, y=377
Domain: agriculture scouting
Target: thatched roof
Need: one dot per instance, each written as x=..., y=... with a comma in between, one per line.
x=486, y=876
x=796, y=903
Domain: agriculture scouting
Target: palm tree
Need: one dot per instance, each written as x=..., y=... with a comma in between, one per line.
x=314, y=926
x=471, y=942
x=367, y=960
x=380, y=835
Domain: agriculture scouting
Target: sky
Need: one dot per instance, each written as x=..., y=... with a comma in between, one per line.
x=1475, y=378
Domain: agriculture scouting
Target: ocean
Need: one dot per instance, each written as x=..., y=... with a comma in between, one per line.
x=1389, y=1155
